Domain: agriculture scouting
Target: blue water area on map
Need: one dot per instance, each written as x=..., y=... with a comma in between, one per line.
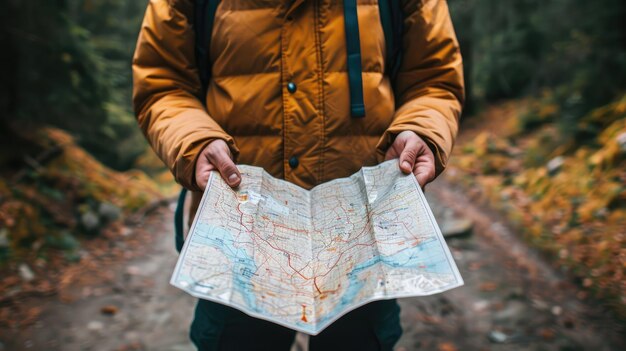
x=412, y=257
x=428, y=256
x=243, y=266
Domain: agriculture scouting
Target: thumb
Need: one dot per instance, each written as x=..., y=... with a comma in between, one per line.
x=227, y=168
x=407, y=158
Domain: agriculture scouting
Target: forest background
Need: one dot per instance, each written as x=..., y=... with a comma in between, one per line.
x=543, y=137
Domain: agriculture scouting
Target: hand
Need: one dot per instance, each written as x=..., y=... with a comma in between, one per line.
x=216, y=156
x=415, y=157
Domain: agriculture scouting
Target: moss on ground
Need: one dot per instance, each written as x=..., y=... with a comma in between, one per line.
x=53, y=192
x=566, y=193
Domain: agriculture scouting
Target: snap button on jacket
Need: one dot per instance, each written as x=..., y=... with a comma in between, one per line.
x=279, y=87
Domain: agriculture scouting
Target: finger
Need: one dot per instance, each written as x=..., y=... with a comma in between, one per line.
x=407, y=157
x=391, y=153
x=224, y=164
x=424, y=173
x=202, y=180
x=203, y=170
x=422, y=179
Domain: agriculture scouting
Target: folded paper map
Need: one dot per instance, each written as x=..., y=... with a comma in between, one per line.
x=303, y=258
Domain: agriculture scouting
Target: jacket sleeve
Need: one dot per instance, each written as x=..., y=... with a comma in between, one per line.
x=166, y=90
x=429, y=87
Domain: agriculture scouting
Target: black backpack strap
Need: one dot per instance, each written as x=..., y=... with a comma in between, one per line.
x=178, y=220
x=353, y=48
x=397, y=18
x=392, y=21
x=204, y=16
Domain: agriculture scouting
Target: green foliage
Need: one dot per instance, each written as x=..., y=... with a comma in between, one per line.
x=63, y=195
x=67, y=63
x=575, y=48
x=114, y=25
x=568, y=197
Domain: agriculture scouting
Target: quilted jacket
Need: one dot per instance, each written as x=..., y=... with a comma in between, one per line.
x=278, y=93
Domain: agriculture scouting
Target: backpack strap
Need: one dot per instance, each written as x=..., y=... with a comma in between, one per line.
x=204, y=16
x=353, y=47
x=397, y=20
x=392, y=20
x=178, y=220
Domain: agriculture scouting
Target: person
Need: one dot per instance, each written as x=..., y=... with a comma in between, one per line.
x=279, y=97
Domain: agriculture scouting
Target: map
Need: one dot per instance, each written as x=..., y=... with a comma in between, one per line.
x=303, y=258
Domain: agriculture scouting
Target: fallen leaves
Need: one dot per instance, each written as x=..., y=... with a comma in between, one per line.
x=61, y=194
x=447, y=346
x=547, y=334
x=109, y=310
x=69, y=281
x=488, y=286
x=569, y=199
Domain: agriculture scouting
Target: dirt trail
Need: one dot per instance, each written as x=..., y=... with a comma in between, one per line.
x=512, y=300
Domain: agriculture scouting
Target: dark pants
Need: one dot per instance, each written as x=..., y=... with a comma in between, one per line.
x=375, y=326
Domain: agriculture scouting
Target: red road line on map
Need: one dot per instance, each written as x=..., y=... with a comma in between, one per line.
x=299, y=272
x=316, y=287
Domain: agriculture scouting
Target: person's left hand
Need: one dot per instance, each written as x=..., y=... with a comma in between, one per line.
x=415, y=157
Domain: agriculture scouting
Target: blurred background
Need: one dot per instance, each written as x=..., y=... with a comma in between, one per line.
x=85, y=206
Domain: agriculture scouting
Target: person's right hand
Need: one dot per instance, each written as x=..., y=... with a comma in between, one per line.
x=216, y=156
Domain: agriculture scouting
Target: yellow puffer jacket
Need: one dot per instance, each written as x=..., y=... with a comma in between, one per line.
x=257, y=49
